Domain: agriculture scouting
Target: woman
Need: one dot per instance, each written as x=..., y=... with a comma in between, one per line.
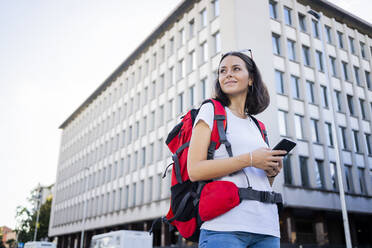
x=252, y=223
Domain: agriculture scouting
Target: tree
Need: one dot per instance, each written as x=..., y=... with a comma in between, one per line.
x=1, y=242
x=26, y=219
x=10, y=243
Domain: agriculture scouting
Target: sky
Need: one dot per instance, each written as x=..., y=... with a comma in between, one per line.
x=53, y=55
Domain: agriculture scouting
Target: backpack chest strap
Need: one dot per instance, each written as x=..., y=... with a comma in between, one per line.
x=262, y=196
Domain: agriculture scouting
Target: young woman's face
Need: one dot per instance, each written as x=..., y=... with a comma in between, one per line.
x=234, y=76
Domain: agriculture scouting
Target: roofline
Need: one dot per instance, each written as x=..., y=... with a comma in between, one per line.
x=170, y=20
x=329, y=9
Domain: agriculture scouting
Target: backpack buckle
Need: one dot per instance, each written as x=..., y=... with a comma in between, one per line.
x=264, y=196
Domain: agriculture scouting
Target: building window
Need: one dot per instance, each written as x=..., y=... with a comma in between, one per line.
x=319, y=174
x=314, y=130
x=287, y=170
x=216, y=8
x=182, y=37
x=328, y=34
x=325, y=96
x=153, y=89
x=333, y=170
x=295, y=87
x=291, y=49
x=343, y=137
x=319, y=61
x=362, y=181
x=171, y=46
x=368, y=143
x=181, y=69
x=172, y=76
x=368, y=80
x=150, y=186
x=304, y=171
x=356, y=140
x=151, y=153
x=362, y=109
x=217, y=42
x=272, y=8
x=329, y=134
x=310, y=91
x=315, y=28
x=142, y=192
x=134, y=191
x=356, y=73
x=287, y=16
x=180, y=103
x=191, y=28
x=170, y=110
x=160, y=149
x=282, y=123
x=203, y=18
x=306, y=55
x=362, y=50
x=302, y=21
x=345, y=70
x=352, y=47
x=161, y=115
x=279, y=82
x=191, y=95
x=340, y=39
x=152, y=120
x=338, y=100
x=350, y=104
x=349, y=178
x=276, y=44
x=192, y=60
x=298, y=126
x=332, y=62
x=203, y=86
x=204, y=52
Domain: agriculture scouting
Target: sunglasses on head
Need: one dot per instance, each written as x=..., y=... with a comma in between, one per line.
x=240, y=51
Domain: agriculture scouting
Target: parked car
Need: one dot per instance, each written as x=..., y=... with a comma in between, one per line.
x=122, y=239
x=40, y=244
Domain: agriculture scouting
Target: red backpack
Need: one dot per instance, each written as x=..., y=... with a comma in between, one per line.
x=192, y=203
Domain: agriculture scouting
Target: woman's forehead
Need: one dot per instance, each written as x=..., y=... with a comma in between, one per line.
x=231, y=60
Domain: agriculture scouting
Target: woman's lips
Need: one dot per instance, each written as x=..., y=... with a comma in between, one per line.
x=230, y=82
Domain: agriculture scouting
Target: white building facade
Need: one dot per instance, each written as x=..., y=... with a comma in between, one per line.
x=318, y=72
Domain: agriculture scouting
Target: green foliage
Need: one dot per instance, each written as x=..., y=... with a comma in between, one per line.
x=10, y=243
x=1, y=242
x=26, y=220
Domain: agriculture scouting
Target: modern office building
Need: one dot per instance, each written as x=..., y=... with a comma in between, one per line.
x=316, y=60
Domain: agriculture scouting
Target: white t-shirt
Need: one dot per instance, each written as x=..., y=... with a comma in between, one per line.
x=248, y=216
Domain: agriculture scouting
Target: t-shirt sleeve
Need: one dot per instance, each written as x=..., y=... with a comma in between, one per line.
x=206, y=113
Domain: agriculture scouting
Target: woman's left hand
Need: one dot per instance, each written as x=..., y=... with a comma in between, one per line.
x=275, y=171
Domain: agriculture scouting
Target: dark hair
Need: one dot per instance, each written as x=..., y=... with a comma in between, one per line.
x=258, y=97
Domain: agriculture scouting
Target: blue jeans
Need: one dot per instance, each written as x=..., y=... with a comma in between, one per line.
x=215, y=239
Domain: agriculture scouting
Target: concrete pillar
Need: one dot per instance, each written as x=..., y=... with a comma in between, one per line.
x=320, y=230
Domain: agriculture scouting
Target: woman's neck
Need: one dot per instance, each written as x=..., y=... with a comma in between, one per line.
x=237, y=104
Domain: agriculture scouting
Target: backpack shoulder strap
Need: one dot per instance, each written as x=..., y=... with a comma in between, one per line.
x=218, y=135
x=262, y=129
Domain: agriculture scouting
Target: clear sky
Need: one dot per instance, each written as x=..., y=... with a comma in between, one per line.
x=53, y=55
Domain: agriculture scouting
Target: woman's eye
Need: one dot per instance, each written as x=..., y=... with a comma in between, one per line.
x=222, y=71
x=236, y=68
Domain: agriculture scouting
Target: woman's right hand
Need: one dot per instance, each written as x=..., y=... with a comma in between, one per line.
x=267, y=159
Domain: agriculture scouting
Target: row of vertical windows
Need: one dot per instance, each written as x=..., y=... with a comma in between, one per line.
x=354, y=142
x=288, y=20
x=115, y=200
x=157, y=57
x=319, y=172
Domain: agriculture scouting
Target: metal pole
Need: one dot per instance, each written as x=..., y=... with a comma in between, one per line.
x=334, y=130
x=38, y=212
x=85, y=209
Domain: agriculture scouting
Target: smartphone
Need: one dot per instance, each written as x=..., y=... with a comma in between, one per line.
x=285, y=144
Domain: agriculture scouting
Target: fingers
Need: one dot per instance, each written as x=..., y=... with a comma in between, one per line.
x=278, y=152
